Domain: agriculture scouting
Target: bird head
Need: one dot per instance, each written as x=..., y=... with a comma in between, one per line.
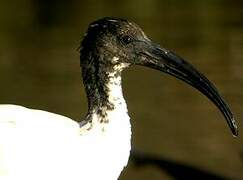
x=112, y=44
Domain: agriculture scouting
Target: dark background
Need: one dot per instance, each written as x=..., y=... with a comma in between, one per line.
x=39, y=68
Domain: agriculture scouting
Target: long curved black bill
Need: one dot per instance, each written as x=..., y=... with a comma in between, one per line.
x=153, y=56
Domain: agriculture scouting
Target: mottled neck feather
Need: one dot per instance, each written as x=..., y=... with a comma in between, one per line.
x=103, y=88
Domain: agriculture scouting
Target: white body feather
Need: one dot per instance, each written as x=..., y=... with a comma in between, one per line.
x=36, y=144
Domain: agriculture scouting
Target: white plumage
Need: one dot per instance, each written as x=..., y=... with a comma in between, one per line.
x=36, y=144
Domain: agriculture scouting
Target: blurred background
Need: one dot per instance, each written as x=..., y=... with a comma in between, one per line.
x=177, y=132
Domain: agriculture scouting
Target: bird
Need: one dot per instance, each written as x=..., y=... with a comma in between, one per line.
x=36, y=144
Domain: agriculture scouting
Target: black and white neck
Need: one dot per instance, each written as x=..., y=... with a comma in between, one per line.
x=104, y=91
x=107, y=123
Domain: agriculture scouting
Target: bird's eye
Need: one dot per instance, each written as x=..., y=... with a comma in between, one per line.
x=126, y=39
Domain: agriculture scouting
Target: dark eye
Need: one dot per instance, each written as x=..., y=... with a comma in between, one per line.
x=126, y=39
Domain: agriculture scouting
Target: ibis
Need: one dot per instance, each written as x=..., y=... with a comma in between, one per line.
x=36, y=144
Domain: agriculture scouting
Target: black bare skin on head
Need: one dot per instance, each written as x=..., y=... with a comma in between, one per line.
x=105, y=39
x=110, y=38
